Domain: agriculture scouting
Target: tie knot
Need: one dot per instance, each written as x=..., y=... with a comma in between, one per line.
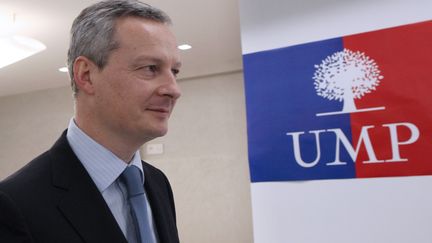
x=132, y=179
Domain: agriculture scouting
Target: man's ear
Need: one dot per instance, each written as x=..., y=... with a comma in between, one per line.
x=83, y=68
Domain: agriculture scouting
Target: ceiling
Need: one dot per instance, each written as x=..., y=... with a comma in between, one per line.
x=211, y=27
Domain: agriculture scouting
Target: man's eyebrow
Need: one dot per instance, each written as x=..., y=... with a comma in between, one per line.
x=153, y=59
x=146, y=58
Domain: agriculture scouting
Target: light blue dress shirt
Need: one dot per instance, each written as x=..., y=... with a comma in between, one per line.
x=104, y=168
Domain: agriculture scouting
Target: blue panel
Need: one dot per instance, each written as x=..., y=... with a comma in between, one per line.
x=281, y=98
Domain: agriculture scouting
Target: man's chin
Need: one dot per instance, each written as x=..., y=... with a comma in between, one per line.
x=156, y=132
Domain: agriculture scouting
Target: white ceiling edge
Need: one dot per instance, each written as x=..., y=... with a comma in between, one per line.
x=314, y=20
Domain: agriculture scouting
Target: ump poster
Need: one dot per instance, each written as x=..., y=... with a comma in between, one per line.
x=357, y=106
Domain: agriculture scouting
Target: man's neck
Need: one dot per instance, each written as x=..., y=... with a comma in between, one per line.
x=123, y=148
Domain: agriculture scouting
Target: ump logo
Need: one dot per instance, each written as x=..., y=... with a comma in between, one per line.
x=345, y=76
x=354, y=106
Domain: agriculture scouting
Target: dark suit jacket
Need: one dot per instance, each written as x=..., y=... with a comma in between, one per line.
x=53, y=200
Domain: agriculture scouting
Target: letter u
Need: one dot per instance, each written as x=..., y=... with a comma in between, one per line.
x=297, y=150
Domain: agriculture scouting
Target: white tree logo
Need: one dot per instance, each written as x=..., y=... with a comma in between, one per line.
x=345, y=76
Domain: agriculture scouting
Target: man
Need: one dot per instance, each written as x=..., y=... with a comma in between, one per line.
x=123, y=63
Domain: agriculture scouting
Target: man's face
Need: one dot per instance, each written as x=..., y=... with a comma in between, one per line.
x=137, y=89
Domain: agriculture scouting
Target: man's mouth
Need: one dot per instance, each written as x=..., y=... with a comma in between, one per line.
x=159, y=109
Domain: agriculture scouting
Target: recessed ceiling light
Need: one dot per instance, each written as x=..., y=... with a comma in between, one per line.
x=63, y=69
x=16, y=48
x=184, y=47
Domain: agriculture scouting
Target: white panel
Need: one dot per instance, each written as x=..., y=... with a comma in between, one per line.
x=154, y=148
x=396, y=210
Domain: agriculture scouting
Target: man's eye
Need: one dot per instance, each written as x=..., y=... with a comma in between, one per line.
x=151, y=68
x=175, y=71
x=148, y=71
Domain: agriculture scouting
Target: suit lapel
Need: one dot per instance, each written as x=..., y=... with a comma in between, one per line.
x=82, y=203
x=161, y=208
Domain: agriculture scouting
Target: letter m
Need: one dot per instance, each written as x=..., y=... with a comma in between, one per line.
x=363, y=138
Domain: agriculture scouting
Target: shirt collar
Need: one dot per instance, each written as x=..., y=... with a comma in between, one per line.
x=103, y=166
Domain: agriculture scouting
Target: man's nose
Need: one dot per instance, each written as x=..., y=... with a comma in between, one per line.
x=170, y=87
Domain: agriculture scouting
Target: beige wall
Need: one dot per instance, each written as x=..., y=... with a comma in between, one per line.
x=30, y=124
x=205, y=154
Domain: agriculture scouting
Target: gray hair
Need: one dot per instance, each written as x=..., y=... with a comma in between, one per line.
x=92, y=32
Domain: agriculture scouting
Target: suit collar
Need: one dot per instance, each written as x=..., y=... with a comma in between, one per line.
x=82, y=203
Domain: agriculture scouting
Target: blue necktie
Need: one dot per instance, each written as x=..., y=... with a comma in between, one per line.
x=131, y=177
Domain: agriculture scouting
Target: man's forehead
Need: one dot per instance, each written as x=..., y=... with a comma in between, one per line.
x=143, y=31
x=139, y=23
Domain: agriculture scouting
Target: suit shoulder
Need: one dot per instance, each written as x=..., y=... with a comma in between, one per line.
x=152, y=170
x=30, y=175
x=156, y=175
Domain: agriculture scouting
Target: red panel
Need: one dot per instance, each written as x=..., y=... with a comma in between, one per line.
x=404, y=56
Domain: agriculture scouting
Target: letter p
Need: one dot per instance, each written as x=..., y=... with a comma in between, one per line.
x=395, y=142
